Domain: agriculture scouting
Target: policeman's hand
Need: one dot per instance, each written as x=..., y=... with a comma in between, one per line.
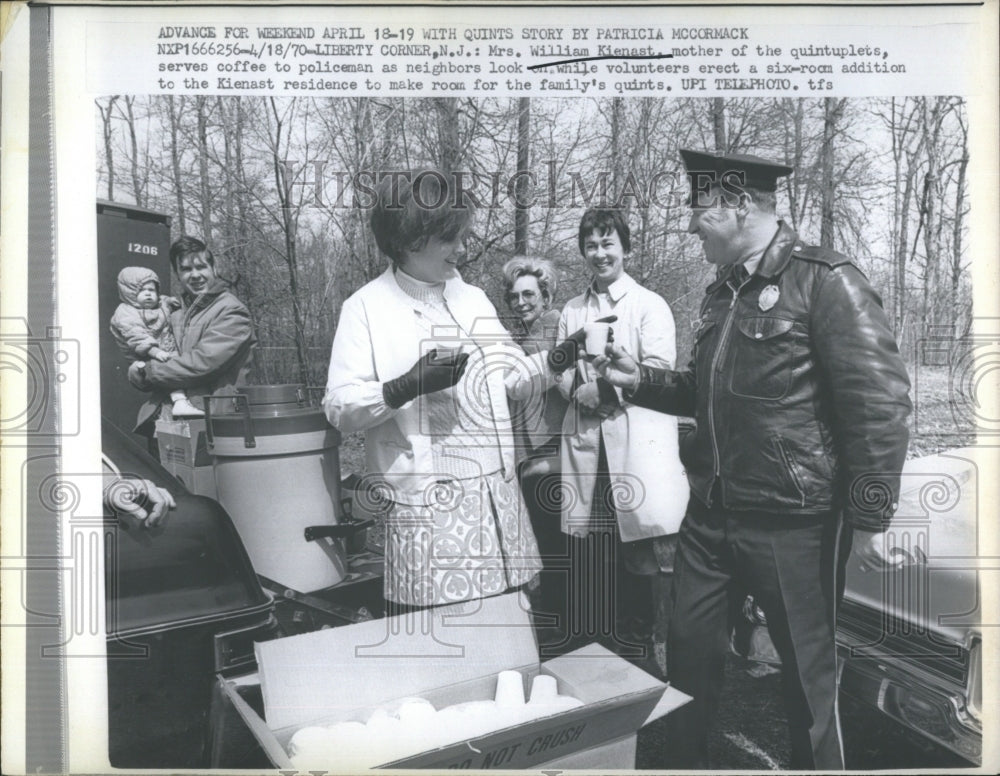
x=566, y=353
x=618, y=367
x=874, y=551
x=138, y=498
x=435, y=371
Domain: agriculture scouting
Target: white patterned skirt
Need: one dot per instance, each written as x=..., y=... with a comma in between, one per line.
x=470, y=539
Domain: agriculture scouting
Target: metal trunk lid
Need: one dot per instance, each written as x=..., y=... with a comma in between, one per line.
x=192, y=568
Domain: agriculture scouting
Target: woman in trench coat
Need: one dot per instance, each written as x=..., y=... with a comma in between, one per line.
x=621, y=466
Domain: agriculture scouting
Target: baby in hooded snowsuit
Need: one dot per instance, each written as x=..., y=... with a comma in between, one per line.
x=141, y=326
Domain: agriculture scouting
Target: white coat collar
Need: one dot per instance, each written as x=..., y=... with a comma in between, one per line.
x=616, y=290
x=467, y=304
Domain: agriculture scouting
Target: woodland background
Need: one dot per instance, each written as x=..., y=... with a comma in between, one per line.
x=883, y=180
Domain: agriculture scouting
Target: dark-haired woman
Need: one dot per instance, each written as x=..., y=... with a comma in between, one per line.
x=626, y=486
x=422, y=365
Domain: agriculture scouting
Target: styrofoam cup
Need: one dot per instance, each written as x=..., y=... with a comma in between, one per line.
x=543, y=689
x=510, y=689
x=596, y=337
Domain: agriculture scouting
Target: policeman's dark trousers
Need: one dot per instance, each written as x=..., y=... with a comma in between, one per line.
x=791, y=565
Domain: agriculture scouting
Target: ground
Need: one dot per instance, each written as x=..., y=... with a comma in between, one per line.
x=943, y=411
x=751, y=732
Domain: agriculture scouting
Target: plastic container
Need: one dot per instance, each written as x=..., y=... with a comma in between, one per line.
x=277, y=471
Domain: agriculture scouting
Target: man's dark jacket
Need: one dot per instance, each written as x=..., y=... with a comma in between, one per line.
x=800, y=395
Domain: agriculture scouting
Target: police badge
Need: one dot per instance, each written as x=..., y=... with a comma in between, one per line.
x=768, y=297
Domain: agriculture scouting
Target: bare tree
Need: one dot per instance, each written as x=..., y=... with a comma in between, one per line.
x=136, y=165
x=833, y=110
x=205, y=190
x=793, y=124
x=718, y=114
x=906, y=148
x=448, y=136
x=617, y=140
x=957, y=267
x=107, y=134
x=175, y=110
x=521, y=213
x=288, y=212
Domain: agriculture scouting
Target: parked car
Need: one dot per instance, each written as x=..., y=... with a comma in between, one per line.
x=910, y=640
x=183, y=604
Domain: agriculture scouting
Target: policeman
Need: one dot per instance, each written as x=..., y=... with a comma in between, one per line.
x=801, y=401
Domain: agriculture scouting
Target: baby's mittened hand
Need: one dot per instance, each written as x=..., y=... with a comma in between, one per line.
x=163, y=356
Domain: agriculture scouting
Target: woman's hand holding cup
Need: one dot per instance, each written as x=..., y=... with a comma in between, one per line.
x=436, y=370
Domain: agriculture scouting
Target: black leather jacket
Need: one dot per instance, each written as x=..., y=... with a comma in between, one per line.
x=799, y=392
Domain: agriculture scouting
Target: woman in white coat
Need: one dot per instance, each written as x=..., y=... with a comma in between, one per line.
x=621, y=466
x=421, y=364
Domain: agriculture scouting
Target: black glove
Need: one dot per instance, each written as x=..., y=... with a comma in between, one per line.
x=432, y=372
x=565, y=354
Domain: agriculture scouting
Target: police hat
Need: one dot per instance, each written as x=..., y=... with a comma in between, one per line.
x=705, y=169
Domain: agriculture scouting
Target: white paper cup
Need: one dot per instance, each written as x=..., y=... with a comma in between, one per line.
x=510, y=689
x=543, y=689
x=597, y=335
x=447, y=354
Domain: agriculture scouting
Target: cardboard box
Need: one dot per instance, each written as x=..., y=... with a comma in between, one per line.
x=614, y=755
x=184, y=453
x=448, y=655
x=183, y=441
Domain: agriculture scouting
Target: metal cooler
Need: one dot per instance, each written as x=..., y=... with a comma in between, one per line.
x=277, y=472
